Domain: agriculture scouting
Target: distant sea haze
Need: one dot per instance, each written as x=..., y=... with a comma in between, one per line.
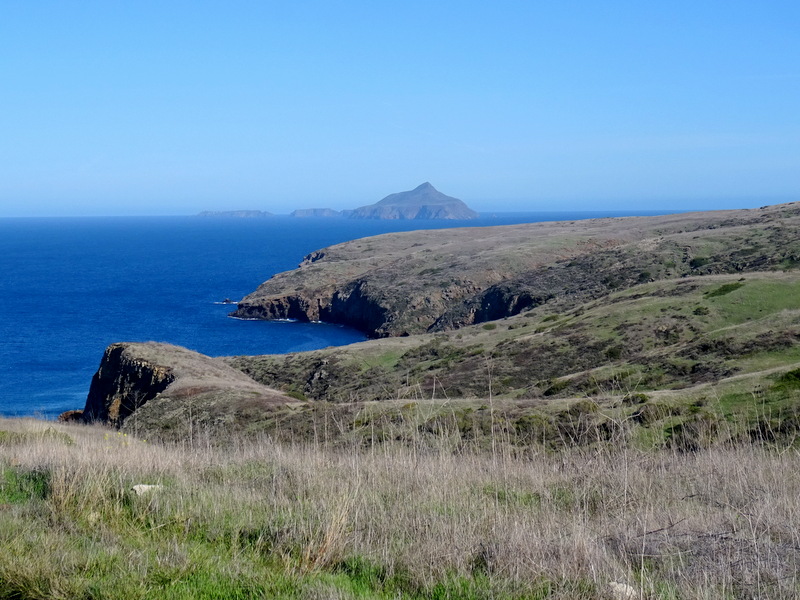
x=71, y=286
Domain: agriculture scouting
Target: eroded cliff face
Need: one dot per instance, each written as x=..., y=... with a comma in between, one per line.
x=168, y=392
x=122, y=384
x=352, y=305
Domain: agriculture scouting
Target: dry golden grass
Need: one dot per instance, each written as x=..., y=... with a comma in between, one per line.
x=262, y=519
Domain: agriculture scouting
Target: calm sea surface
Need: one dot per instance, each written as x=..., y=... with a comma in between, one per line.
x=71, y=286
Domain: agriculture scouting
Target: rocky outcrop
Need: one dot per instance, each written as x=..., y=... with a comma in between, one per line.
x=71, y=416
x=353, y=305
x=423, y=202
x=123, y=383
x=161, y=386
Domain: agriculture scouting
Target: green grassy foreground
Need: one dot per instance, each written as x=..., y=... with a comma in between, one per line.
x=422, y=518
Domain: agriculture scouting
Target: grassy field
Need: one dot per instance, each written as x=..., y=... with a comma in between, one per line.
x=424, y=517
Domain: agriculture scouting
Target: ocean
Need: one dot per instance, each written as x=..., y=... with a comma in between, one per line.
x=72, y=286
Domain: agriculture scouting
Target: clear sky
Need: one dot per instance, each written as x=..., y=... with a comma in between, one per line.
x=173, y=107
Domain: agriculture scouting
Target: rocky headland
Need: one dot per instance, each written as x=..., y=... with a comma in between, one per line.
x=424, y=281
x=553, y=321
x=161, y=383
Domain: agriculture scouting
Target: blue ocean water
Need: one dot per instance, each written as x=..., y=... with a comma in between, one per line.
x=71, y=286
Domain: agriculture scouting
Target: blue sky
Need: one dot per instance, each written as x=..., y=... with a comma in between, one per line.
x=117, y=108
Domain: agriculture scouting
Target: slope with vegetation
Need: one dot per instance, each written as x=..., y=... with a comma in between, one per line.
x=684, y=327
x=599, y=416
x=423, y=518
x=424, y=281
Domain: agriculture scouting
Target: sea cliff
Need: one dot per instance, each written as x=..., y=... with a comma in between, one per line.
x=416, y=282
x=166, y=390
x=578, y=327
x=124, y=382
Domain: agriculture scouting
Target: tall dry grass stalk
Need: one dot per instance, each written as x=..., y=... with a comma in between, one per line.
x=721, y=523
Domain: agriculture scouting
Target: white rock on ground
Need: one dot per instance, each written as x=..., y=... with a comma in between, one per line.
x=141, y=489
x=623, y=591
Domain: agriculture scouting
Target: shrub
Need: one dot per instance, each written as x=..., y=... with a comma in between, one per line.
x=696, y=433
x=635, y=398
x=699, y=261
x=296, y=395
x=653, y=411
x=788, y=381
x=556, y=386
x=724, y=289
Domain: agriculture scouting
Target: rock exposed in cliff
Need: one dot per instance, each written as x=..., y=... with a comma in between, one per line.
x=412, y=282
x=159, y=383
x=423, y=202
x=124, y=381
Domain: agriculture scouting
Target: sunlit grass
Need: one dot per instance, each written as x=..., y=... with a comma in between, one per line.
x=413, y=520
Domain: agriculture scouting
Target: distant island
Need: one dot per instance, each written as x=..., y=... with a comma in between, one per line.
x=423, y=202
x=239, y=214
x=315, y=212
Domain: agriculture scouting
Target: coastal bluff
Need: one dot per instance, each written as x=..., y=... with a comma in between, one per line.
x=607, y=309
x=409, y=283
x=161, y=383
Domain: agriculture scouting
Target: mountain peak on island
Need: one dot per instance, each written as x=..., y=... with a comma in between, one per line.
x=423, y=202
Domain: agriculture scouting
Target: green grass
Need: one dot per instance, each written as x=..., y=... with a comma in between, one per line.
x=724, y=289
x=427, y=517
x=19, y=487
x=758, y=299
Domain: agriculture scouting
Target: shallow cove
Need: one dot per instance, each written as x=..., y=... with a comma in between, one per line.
x=72, y=286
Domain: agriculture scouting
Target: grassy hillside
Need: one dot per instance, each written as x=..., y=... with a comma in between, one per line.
x=416, y=282
x=428, y=518
x=704, y=352
x=682, y=325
